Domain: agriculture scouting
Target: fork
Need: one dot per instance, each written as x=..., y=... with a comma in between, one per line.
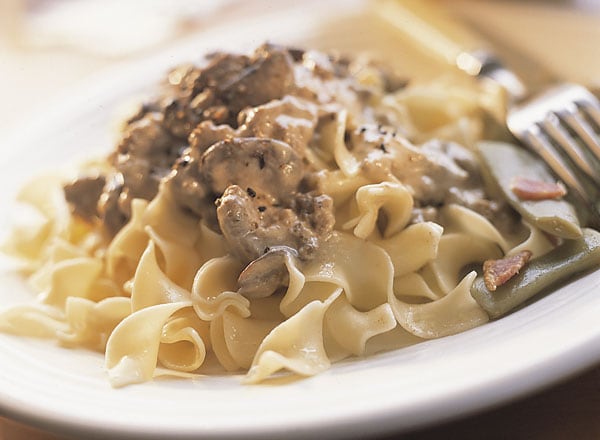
x=560, y=122
x=561, y=125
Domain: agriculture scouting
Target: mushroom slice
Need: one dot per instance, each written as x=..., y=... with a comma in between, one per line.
x=263, y=276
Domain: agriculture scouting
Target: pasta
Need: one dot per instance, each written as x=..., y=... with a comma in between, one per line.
x=270, y=213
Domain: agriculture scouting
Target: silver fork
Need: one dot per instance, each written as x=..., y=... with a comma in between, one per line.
x=561, y=125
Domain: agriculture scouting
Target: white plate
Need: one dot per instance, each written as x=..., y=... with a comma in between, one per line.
x=66, y=391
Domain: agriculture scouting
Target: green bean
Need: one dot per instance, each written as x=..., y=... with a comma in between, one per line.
x=567, y=259
x=502, y=162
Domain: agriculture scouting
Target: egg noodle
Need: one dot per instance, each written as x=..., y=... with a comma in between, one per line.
x=161, y=297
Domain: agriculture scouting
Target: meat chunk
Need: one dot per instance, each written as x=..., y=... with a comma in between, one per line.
x=83, y=194
x=498, y=272
x=437, y=172
x=229, y=139
x=143, y=157
x=259, y=187
x=198, y=107
x=531, y=189
x=109, y=206
x=180, y=117
x=316, y=211
x=226, y=84
x=221, y=68
x=435, y=169
x=251, y=231
x=266, y=165
x=187, y=99
x=205, y=135
x=263, y=166
x=140, y=181
x=269, y=76
x=147, y=137
x=290, y=120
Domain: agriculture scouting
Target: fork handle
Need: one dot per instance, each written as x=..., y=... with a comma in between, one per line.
x=428, y=25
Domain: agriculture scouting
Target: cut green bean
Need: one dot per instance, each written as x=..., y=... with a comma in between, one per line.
x=567, y=259
x=503, y=162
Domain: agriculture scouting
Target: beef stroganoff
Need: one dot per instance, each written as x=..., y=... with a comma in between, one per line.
x=281, y=210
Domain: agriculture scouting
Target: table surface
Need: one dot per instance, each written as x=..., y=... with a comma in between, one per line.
x=33, y=76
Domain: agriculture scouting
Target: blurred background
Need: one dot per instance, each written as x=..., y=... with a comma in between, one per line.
x=47, y=45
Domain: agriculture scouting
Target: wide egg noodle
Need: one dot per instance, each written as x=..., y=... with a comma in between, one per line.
x=293, y=300
x=351, y=329
x=91, y=323
x=34, y=320
x=71, y=278
x=132, y=348
x=168, y=220
x=28, y=240
x=460, y=219
x=151, y=286
x=70, y=283
x=339, y=342
x=125, y=249
x=304, y=293
x=219, y=345
x=58, y=250
x=295, y=345
x=43, y=193
x=209, y=244
x=180, y=344
x=42, y=218
x=181, y=262
x=243, y=336
x=84, y=323
x=456, y=251
x=346, y=329
x=390, y=198
x=443, y=109
x=214, y=289
x=537, y=242
x=176, y=231
x=414, y=285
x=344, y=159
x=394, y=339
x=44, y=196
x=340, y=187
x=361, y=268
x=412, y=248
x=103, y=288
x=267, y=308
x=454, y=313
x=184, y=342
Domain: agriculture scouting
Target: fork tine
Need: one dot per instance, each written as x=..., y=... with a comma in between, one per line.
x=563, y=138
x=580, y=126
x=592, y=110
x=536, y=139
